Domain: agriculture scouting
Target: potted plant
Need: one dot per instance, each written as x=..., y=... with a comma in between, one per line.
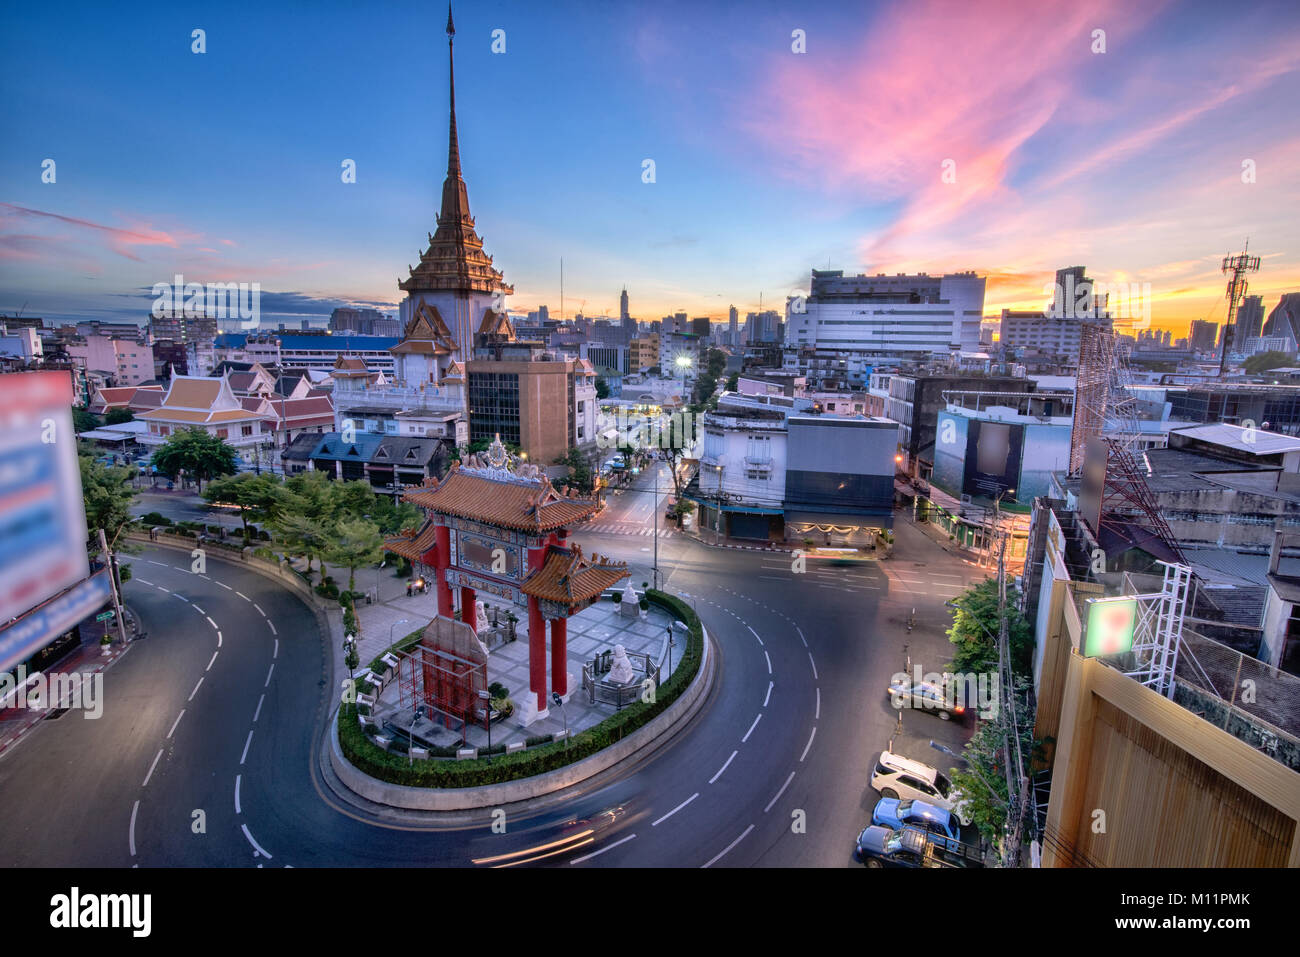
x=106, y=645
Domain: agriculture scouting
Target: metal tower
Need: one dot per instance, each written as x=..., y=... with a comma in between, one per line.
x=1235, y=266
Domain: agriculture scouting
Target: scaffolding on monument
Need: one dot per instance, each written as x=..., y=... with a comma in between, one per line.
x=1158, y=631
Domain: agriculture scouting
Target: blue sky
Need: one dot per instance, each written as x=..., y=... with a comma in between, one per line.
x=226, y=165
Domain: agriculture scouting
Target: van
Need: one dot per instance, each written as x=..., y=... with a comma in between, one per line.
x=895, y=776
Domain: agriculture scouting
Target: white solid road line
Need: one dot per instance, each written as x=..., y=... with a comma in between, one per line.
x=256, y=847
x=676, y=809
x=754, y=633
x=779, y=793
x=259, y=707
x=176, y=722
x=268, y=676
x=610, y=847
x=214, y=658
x=131, y=834
x=723, y=768
x=768, y=696
x=751, y=728
x=246, y=744
x=151, y=767
x=730, y=846
x=769, y=662
x=808, y=745
x=195, y=691
x=237, y=809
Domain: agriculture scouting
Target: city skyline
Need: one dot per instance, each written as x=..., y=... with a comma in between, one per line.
x=1041, y=129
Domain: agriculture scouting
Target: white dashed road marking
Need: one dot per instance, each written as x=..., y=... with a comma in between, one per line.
x=676, y=809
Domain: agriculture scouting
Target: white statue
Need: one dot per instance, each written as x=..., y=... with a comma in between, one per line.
x=480, y=616
x=630, y=607
x=620, y=669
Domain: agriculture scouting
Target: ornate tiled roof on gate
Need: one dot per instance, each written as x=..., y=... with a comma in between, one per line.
x=499, y=498
x=568, y=577
x=411, y=544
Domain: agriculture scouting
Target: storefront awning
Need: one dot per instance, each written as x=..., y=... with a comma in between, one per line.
x=841, y=519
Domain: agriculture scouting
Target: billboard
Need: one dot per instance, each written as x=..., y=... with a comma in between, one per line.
x=42, y=517
x=993, y=452
x=1111, y=622
x=29, y=634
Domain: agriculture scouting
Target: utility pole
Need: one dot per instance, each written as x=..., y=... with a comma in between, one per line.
x=655, y=576
x=112, y=582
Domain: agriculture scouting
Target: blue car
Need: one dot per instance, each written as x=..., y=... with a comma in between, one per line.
x=893, y=813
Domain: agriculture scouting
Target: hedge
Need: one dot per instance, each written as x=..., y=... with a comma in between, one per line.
x=373, y=760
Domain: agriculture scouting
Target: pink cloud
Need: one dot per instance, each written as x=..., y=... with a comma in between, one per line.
x=118, y=239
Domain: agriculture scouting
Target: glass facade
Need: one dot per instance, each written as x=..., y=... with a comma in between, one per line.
x=494, y=406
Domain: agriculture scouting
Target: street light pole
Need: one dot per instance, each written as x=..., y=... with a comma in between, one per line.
x=655, y=576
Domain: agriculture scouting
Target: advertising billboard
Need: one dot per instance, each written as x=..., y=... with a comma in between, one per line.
x=993, y=452
x=42, y=517
x=1111, y=622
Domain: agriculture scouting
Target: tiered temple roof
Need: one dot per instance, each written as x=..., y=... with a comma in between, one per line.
x=496, y=497
x=568, y=577
x=455, y=259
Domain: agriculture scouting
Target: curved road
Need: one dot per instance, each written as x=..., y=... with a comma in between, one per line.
x=206, y=752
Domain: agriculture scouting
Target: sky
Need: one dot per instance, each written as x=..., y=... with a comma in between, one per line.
x=1147, y=162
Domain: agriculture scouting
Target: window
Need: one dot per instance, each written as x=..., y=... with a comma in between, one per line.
x=246, y=430
x=223, y=433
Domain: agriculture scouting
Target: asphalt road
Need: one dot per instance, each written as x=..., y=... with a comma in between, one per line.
x=773, y=771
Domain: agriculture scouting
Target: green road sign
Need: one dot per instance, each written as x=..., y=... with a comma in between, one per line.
x=104, y=616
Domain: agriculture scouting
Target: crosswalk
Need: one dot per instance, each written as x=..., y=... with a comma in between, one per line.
x=623, y=528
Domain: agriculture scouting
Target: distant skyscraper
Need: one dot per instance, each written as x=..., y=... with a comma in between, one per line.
x=1250, y=319
x=1203, y=336
x=622, y=306
x=733, y=332
x=542, y=314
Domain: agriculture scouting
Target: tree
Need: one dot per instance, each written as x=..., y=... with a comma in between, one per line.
x=254, y=495
x=580, y=475
x=1263, y=361
x=118, y=416
x=107, y=494
x=975, y=628
x=733, y=382
x=199, y=453
x=602, y=388
x=83, y=421
x=356, y=542
x=303, y=536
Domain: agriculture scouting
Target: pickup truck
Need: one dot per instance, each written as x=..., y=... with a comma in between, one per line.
x=882, y=847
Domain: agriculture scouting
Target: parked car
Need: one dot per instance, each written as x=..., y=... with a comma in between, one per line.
x=898, y=777
x=911, y=847
x=925, y=696
x=897, y=814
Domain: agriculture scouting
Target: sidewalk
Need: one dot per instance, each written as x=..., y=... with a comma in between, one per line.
x=88, y=659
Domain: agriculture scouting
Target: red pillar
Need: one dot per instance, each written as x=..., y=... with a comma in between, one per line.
x=468, y=613
x=537, y=652
x=443, y=538
x=560, y=656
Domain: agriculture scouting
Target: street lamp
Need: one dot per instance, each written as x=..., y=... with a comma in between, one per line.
x=486, y=697
x=400, y=621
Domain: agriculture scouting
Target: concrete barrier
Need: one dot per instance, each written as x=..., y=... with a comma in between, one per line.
x=524, y=789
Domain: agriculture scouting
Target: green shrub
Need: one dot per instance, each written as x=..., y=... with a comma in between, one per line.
x=534, y=740
x=150, y=519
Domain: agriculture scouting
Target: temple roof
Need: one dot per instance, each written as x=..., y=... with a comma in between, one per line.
x=497, y=497
x=411, y=544
x=455, y=259
x=496, y=323
x=568, y=577
x=426, y=333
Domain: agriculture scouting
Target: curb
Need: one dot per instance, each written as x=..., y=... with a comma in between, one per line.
x=638, y=745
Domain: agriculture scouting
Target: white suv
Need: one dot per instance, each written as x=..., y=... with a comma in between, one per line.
x=898, y=777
